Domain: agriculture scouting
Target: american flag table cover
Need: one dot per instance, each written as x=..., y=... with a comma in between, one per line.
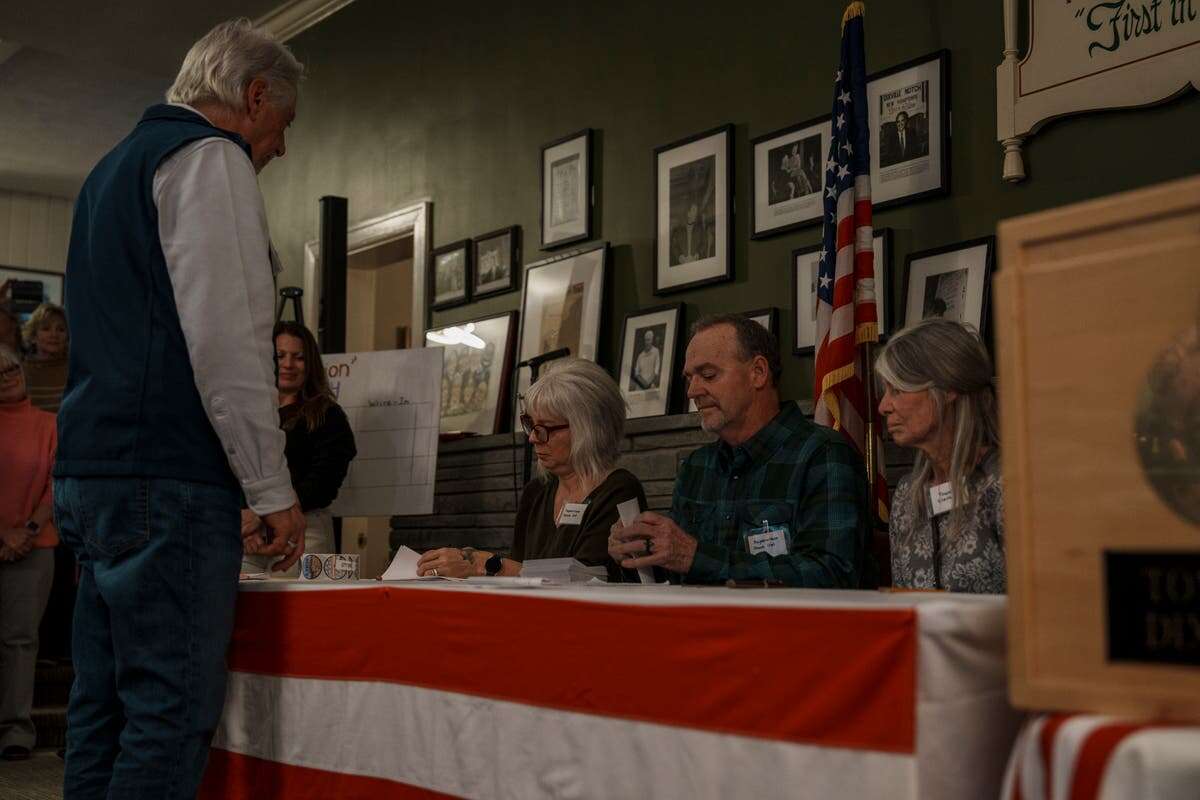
x=420, y=690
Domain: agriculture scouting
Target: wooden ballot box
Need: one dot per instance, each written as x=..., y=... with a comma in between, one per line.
x=1098, y=352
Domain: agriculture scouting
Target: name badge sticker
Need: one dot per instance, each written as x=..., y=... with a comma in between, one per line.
x=941, y=499
x=774, y=540
x=572, y=513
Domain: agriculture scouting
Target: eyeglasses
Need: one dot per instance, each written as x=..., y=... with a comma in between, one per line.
x=540, y=433
x=9, y=371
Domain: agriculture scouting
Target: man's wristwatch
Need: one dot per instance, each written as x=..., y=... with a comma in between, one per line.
x=492, y=565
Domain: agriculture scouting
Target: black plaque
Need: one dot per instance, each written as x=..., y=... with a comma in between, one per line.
x=1153, y=607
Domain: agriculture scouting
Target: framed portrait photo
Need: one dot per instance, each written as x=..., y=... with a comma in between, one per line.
x=767, y=317
x=561, y=306
x=30, y=288
x=649, y=354
x=476, y=369
x=497, y=259
x=450, y=275
x=909, y=110
x=693, y=181
x=567, y=190
x=789, y=177
x=805, y=263
x=950, y=282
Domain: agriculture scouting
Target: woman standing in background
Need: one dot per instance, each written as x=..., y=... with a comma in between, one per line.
x=46, y=341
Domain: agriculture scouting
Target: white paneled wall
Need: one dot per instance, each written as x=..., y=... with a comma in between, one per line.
x=34, y=229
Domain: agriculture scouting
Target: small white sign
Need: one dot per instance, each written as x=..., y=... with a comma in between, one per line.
x=941, y=499
x=772, y=541
x=572, y=513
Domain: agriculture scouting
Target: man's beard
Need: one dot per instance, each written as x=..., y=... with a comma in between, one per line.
x=714, y=420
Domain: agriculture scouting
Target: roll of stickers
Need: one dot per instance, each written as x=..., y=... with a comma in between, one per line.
x=329, y=567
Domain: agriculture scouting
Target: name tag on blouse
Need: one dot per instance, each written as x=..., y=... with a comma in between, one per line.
x=572, y=513
x=941, y=499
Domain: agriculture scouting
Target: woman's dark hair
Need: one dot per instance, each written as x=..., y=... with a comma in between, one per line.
x=315, y=397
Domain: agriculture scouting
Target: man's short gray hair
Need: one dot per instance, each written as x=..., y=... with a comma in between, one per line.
x=752, y=340
x=222, y=63
x=584, y=395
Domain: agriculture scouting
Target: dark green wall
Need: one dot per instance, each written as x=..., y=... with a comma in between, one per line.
x=452, y=102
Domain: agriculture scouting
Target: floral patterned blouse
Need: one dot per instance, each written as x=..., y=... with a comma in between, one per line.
x=971, y=560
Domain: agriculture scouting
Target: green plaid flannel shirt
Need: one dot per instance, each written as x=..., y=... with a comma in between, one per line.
x=792, y=472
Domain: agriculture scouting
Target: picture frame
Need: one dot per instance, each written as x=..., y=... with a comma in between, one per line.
x=909, y=115
x=476, y=372
x=693, y=217
x=767, y=317
x=562, y=299
x=649, y=359
x=450, y=275
x=789, y=177
x=804, y=277
x=951, y=281
x=567, y=190
x=23, y=297
x=496, y=261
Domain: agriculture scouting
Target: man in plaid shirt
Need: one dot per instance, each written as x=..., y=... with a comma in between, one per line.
x=776, y=498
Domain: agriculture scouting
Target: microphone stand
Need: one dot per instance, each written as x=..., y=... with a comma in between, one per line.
x=535, y=367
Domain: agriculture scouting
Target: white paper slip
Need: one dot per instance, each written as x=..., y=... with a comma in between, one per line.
x=404, y=567
x=253, y=576
x=510, y=581
x=628, y=512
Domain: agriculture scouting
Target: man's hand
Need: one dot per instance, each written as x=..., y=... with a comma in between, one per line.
x=651, y=540
x=251, y=522
x=18, y=541
x=447, y=562
x=286, y=529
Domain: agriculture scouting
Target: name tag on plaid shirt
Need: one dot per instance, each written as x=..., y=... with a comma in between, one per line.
x=774, y=540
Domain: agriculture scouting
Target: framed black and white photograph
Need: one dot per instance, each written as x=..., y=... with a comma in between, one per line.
x=693, y=181
x=909, y=107
x=30, y=288
x=450, y=275
x=789, y=177
x=561, y=306
x=950, y=282
x=805, y=263
x=567, y=190
x=497, y=259
x=649, y=353
x=476, y=370
x=767, y=317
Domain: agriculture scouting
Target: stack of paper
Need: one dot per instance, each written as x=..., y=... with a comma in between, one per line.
x=562, y=570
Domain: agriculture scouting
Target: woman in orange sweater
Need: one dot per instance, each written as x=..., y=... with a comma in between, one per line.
x=27, y=539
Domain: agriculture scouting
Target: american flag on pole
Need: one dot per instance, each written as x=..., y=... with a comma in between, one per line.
x=846, y=312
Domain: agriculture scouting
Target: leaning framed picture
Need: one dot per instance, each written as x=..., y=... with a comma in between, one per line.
x=29, y=288
x=476, y=369
x=567, y=190
x=767, y=317
x=805, y=262
x=561, y=306
x=789, y=177
x=693, y=184
x=950, y=282
x=909, y=112
x=497, y=256
x=450, y=275
x=649, y=353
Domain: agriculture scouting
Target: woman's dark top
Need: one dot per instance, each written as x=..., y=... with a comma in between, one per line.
x=318, y=460
x=536, y=535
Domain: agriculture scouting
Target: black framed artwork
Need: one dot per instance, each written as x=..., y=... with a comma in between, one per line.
x=909, y=111
x=476, y=371
x=497, y=259
x=767, y=317
x=450, y=275
x=29, y=288
x=950, y=282
x=567, y=190
x=805, y=262
x=789, y=177
x=693, y=184
x=649, y=357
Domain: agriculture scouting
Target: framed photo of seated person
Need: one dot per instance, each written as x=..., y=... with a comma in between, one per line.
x=649, y=357
x=789, y=177
x=909, y=111
x=497, y=260
x=476, y=370
x=950, y=282
x=805, y=262
x=693, y=240
x=450, y=275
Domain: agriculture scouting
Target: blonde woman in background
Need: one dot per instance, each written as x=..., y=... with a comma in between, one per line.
x=46, y=341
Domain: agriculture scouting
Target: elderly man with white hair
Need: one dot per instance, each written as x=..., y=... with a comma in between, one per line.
x=169, y=415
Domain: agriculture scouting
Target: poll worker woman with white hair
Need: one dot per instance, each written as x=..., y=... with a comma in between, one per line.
x=575, y=419
x=947, y=520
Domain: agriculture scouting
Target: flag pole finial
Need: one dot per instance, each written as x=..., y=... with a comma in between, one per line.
x=855, y=9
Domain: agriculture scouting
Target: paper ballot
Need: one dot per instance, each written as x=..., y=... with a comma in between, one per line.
x=628, y=511
x=404, y=567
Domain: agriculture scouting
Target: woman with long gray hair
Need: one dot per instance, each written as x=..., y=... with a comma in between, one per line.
x=947, y=521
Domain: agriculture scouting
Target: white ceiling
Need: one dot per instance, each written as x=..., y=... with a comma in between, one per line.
x=82, y=75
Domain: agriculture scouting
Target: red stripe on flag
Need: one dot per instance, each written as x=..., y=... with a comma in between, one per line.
x=232, y=776
x=1046, y=737
x=1094, y=754
x=699, y=667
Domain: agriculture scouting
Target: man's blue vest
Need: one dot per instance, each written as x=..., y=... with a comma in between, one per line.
x=131, y=405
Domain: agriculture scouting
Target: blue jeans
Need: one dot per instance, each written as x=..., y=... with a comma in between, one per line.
x=159, y=565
